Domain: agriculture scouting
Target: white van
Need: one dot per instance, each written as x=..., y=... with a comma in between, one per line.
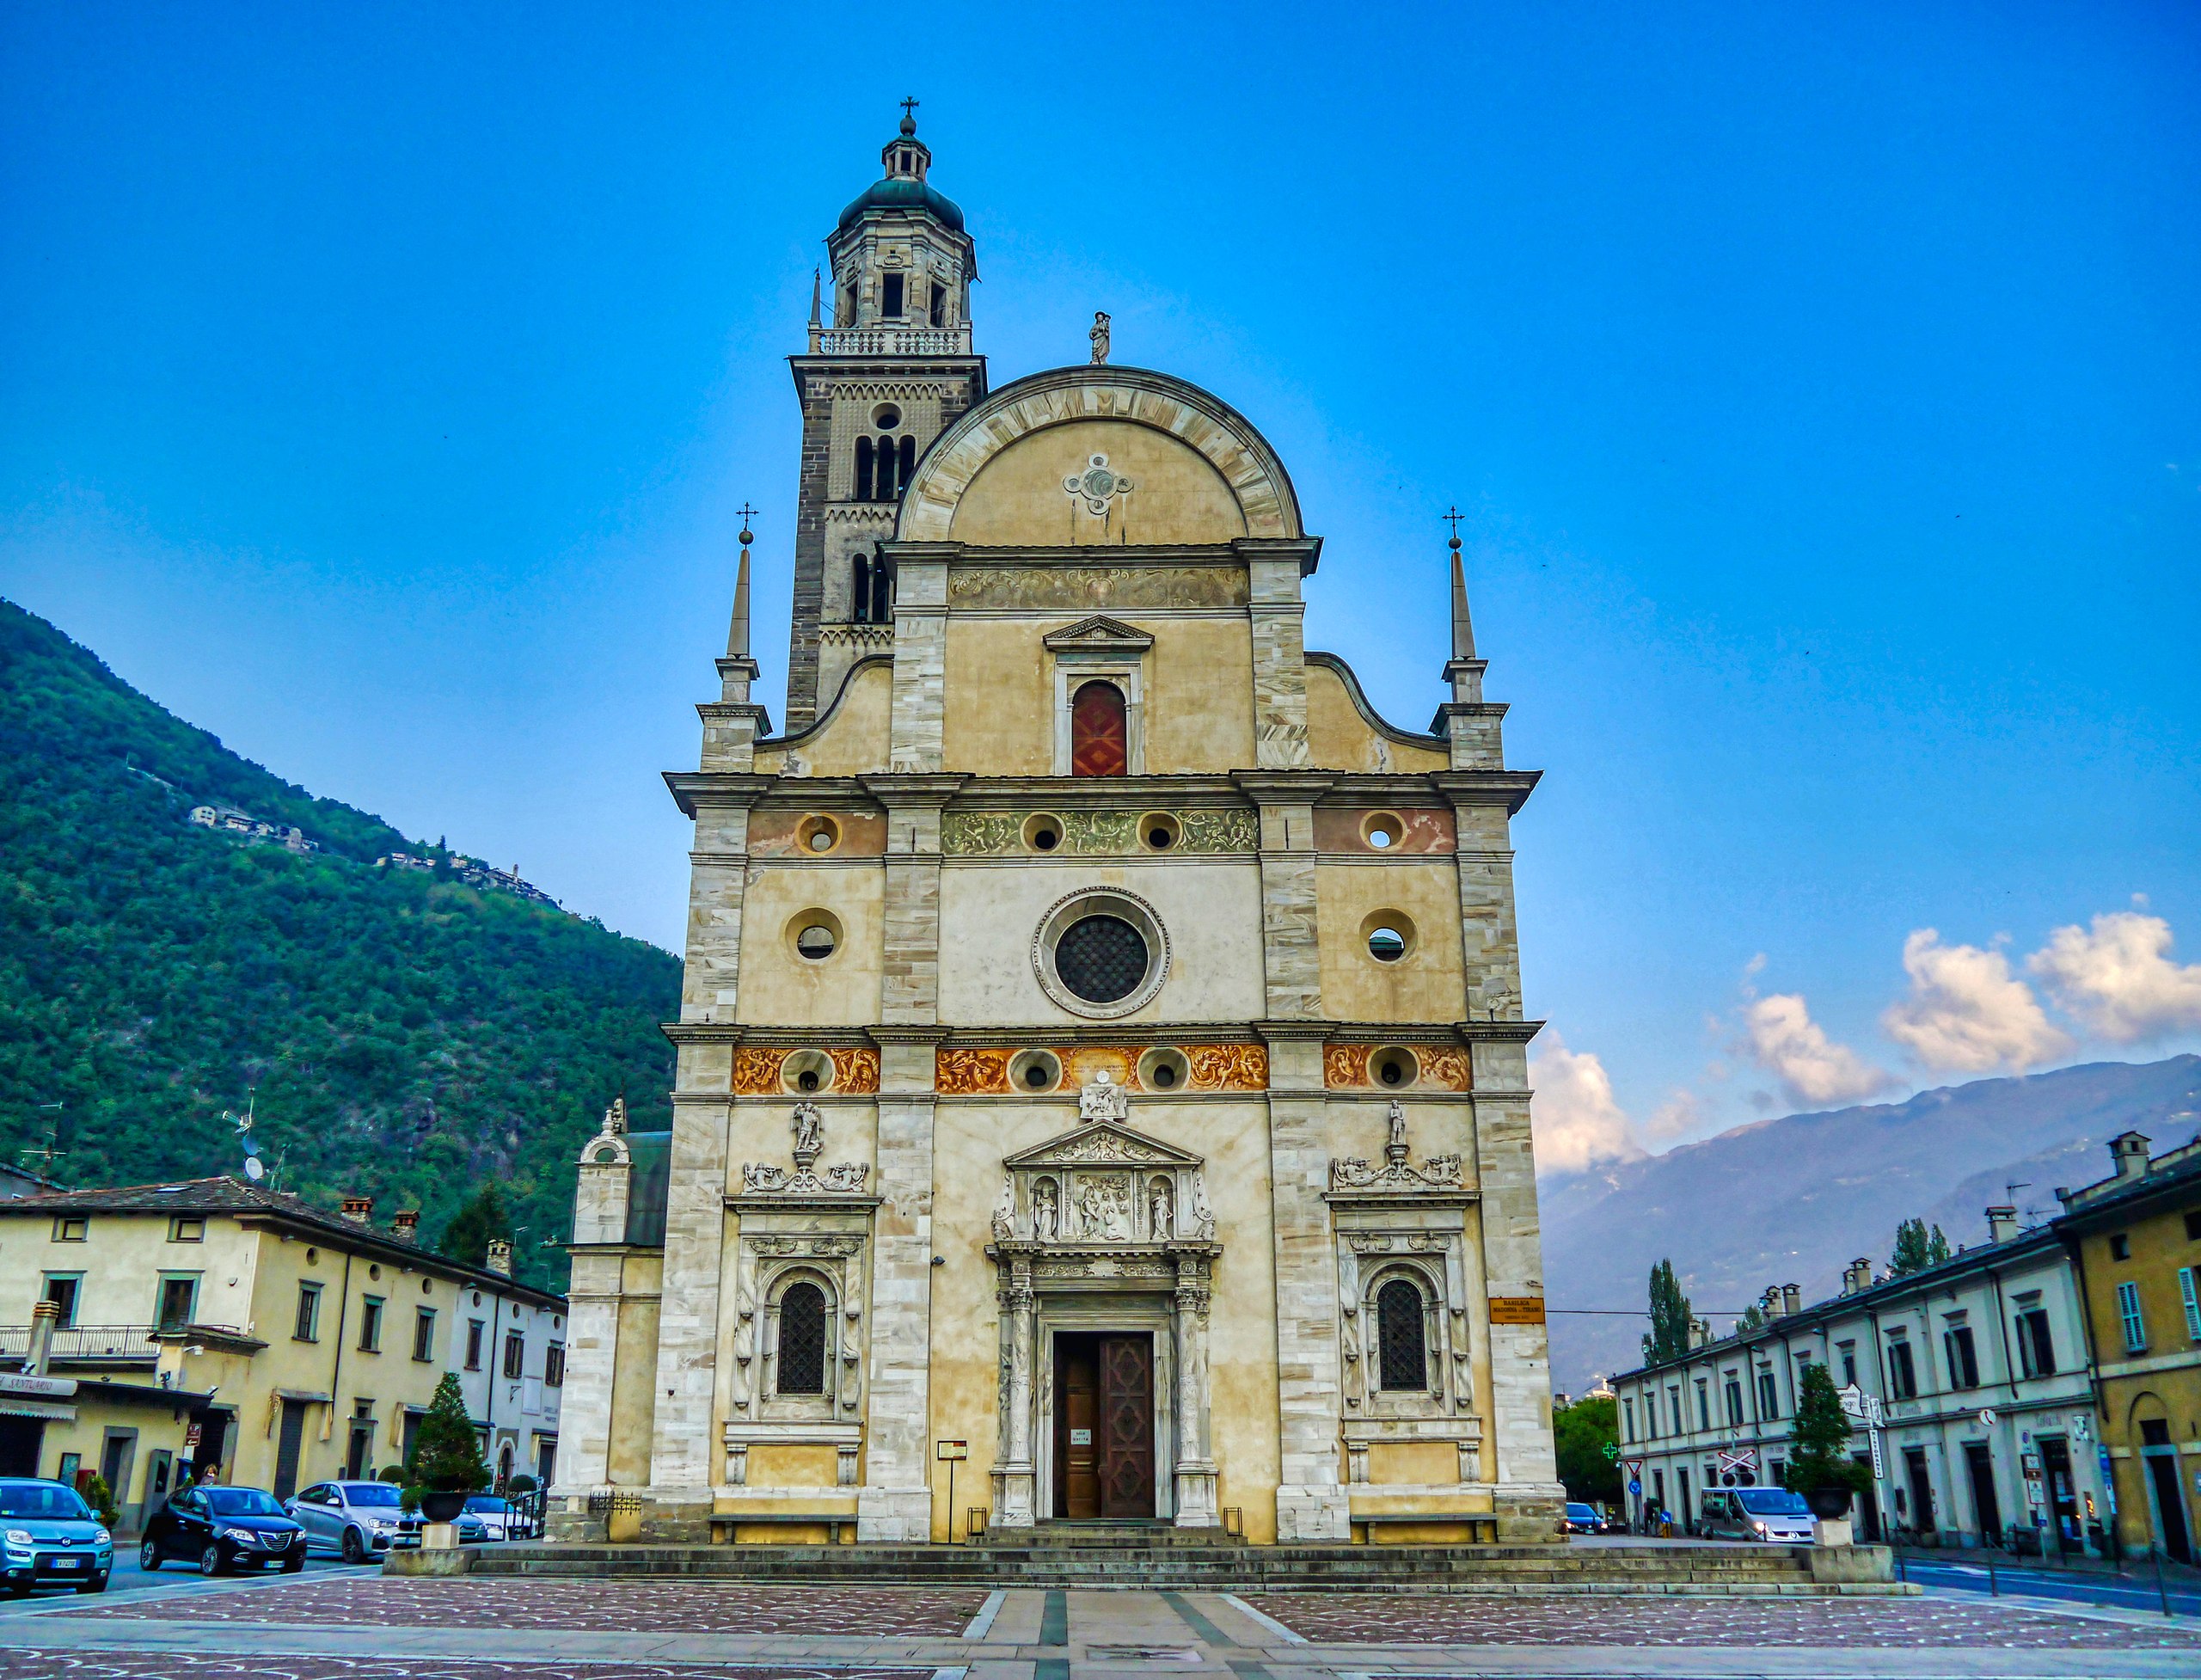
x=1771, y=1514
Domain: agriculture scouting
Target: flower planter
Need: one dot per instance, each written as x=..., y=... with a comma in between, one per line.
x=437, y=1506
x=1828, y=1504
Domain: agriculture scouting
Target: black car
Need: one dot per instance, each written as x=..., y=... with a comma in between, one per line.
x=220, y=1528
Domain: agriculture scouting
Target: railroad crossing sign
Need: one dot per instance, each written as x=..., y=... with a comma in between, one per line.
x=1734, y=1463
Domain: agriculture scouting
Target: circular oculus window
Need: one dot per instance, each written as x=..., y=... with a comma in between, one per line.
x=1102, y=953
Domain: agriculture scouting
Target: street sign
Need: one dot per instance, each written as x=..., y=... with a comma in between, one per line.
x=1611, y=1450
x=1634, y=1469
x=1635, y=1488
x=1987, y=1417
x=1879, y=1469
x=954, y=1449
x=1853, y=1402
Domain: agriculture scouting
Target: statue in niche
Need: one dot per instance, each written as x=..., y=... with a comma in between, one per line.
x=1005, y=1211
x=1398, y=1137
x=1046, y=1218
x=1103, y=1099
x=809, y=1132
x=1162, y=1210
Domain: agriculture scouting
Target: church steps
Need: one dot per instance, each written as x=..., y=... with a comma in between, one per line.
x=1522, y=1571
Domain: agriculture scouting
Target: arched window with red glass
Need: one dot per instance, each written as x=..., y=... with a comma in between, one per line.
x=1100, y=732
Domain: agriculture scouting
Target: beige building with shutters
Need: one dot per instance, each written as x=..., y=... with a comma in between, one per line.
x=1101, y=1049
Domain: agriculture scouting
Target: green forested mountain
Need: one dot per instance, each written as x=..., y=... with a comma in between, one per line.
x=409, y=1037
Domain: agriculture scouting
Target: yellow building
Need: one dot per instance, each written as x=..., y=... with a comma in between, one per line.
x=1101, y=1065
x=216, y=1324
x=2135, y=1240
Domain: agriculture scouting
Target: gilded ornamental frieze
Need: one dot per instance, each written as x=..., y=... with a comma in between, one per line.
x=758, y=1070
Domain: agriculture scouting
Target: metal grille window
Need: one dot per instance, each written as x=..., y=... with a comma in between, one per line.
x=1403, y=1342
x=1101, y=957
x=802, y=1340
x=2128, y=1311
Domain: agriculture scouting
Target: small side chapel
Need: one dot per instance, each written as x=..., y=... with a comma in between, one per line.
x=1101, y=1061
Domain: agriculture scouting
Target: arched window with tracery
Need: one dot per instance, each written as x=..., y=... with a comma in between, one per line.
x=1402, y=1341
x=882, y=591
x=802, y=1340
x=1100, y=732
x=860, y=591
x=863, y=470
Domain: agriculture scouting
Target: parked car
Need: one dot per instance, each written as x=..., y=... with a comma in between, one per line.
x=496, y=1518
x=50, y=1537
x=1582, y=1519
x=359, y=1520
x=1771, y=1514
x=220, y=1528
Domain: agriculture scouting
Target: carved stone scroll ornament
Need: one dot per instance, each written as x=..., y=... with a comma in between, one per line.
x=1103, y=1099
x=1438, y=1172
x=1005, y=1211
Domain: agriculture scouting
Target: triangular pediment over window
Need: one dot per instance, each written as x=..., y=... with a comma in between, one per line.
x=1100, y=633
x=1103, y=1144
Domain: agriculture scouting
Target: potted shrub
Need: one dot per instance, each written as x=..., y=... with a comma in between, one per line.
x=1820, y=1467
x=446, y=1463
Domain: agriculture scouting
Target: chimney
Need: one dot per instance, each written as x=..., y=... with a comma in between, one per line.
x=2002, y=1224
x=1792, y=1300
x=1700, y=1332
x=499, y=1260
x=44, y=1317
x=2128, y=1152
x=406, y=1226
x=359, y=1210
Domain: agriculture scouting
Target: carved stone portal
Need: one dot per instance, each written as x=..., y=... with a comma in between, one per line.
x=1104, y=1226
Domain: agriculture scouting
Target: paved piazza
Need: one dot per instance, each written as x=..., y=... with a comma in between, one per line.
x=362, y=1625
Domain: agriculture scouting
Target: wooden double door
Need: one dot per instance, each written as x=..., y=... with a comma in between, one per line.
x=1104, y=1426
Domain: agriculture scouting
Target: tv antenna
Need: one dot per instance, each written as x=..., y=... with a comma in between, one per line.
x=53, y=1149
x=254, y=1167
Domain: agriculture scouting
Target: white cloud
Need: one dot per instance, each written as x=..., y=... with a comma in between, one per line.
x=1967, y=1011
x=1782, y=1038
x=2119, y=978
x=1678, y=1115
x=1577, y=1122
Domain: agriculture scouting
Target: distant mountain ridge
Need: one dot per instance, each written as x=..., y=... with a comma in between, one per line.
x=1795, y=1199
x=412, y=1031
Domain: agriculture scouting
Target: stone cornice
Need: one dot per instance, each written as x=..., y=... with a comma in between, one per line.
x=933, y=790
x=1284, y=787
x=736, y=788
x=912, y=1031
x=1509, y=788
x=703, y=1032
x=1307, y=550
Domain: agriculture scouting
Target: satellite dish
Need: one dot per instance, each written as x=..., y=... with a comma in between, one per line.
x=251, y=1148
x=253, y=1169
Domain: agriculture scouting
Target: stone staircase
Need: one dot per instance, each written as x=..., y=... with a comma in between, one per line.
x=1129, y=1555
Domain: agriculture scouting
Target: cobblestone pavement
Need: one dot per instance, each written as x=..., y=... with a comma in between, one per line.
x=670, y=1607
x=185, y=1665
x=1831, y=1624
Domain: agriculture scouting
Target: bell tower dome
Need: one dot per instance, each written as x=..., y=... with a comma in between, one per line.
x=889, y=372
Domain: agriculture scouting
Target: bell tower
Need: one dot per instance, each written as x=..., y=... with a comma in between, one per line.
x=890, y=371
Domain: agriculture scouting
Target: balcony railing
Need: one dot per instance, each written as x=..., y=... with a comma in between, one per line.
x=890, y=340
x=82, y=1344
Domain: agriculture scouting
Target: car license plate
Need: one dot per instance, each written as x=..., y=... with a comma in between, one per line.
x=69, y=1563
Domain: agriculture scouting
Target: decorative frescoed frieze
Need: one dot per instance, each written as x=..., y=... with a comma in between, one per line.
x=1348, y=1067
x=762, y=1070
x=966, y=1072
x=1206, y=833
x=1096, y=588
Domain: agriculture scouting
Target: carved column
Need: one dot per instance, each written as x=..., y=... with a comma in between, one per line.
x=1196, y=1472
x=1015, y=1498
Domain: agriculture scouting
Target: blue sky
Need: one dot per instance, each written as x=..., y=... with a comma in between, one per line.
x=1823, y=383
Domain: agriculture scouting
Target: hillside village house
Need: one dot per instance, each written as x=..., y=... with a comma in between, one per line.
x=1977, y=1366
x=1101, y=1063
x=215, y=1324
x=2135, y=1240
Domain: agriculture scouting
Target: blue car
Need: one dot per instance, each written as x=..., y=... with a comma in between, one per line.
x=50, y=1537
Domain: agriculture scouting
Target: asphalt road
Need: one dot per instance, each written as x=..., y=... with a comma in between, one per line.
x=2077, y=1586
x=181, y=1576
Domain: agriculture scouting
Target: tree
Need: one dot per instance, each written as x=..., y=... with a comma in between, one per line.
x=100, y=1497
x=1820, y=1456
x=1670, y=1317
x=447, y=1453
x=1915, y=1248
x=481, y=1221
x=1586, y=1435
x=1753, y=1318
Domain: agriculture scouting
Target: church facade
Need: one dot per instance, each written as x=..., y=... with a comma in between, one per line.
x=1102, y=1065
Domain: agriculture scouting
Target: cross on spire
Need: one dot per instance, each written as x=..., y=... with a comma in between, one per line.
x=747, y=513
x=909, y=116
x=1454, y=517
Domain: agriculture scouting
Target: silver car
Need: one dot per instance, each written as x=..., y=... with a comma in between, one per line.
x=359, y=1520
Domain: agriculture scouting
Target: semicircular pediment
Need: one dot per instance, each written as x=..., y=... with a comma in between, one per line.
x=1180, y=466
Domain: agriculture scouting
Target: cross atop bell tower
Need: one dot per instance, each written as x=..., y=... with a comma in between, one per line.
x=887, y=374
